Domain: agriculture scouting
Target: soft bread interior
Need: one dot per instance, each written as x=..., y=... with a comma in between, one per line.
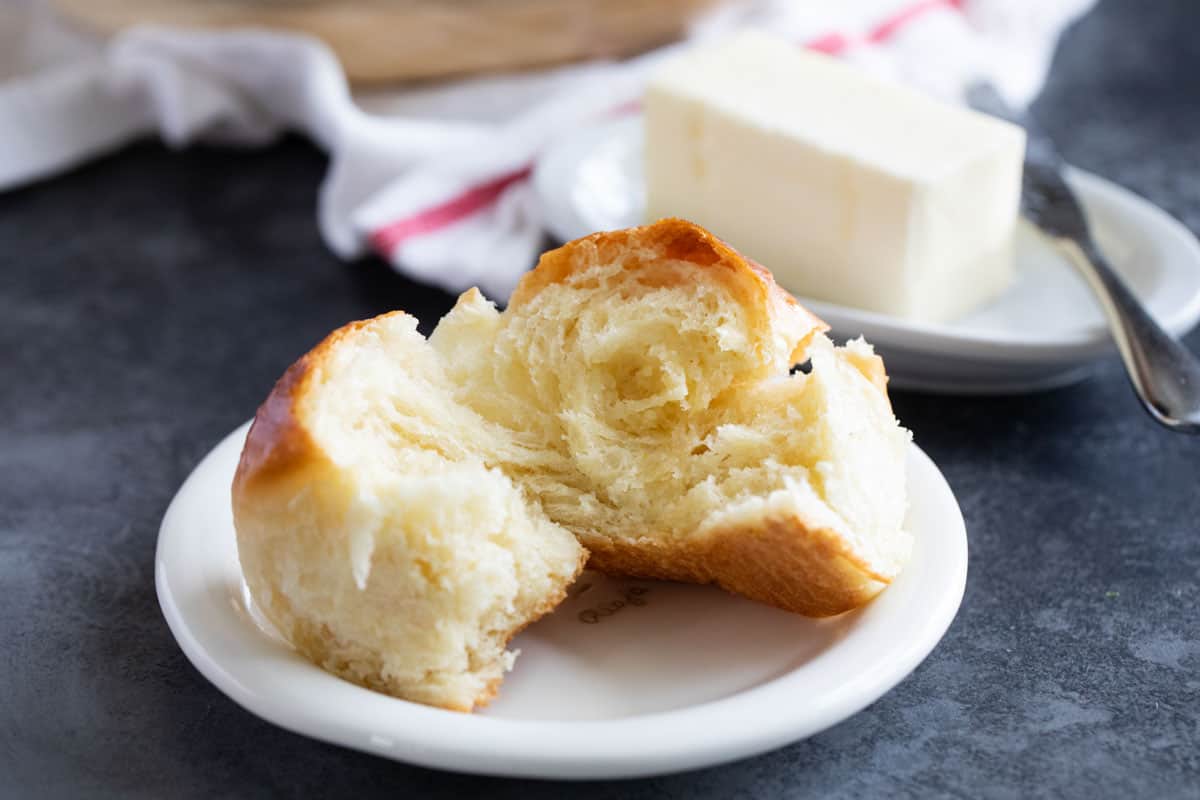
x=400, y=560
x=657, y=402
x=636, y=396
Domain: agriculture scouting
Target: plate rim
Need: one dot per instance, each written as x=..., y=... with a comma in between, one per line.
x=938, y=338
x=610, y=751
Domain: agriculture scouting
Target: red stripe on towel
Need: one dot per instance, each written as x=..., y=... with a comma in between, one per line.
x=387, y=238
x=390, y=236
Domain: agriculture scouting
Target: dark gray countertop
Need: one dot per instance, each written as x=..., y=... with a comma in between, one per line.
x=148, y=302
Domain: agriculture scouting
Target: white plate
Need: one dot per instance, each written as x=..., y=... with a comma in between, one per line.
x=678, y=677
x=1044, y=331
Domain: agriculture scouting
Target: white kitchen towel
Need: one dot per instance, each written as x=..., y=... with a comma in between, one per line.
x=435, y=179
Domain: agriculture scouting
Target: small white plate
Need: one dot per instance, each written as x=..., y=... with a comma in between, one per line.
x=1043, y=332
x=626, y=678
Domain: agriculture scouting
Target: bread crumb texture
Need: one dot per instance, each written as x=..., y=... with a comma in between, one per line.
x=404, y=506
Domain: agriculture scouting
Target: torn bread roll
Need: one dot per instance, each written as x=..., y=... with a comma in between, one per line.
x=403, y=505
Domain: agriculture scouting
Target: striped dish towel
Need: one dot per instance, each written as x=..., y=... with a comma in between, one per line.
x=436, y=179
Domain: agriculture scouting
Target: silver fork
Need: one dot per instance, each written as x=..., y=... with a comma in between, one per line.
x=1165, y=375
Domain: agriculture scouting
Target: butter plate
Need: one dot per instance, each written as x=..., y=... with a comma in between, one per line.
x=1046, y=330
x=626, y=678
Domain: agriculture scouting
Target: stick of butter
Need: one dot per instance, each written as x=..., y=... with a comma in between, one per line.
x=849, y=189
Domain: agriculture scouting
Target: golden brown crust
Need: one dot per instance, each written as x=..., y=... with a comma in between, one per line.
x=672, y=239
x=278, y=441
x=783, y=562
x=276, y=438
x=780, y=561
x=280, y=447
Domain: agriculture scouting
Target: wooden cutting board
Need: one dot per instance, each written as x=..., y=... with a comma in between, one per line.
x=395, y=40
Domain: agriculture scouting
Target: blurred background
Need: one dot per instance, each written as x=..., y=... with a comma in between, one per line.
x=182, y=218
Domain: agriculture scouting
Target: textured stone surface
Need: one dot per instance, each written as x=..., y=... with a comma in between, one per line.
x=148, y=301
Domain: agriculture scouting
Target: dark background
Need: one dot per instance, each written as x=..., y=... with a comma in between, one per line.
x=149, y=300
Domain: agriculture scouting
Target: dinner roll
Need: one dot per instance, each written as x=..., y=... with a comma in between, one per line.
x=374, y=536
x=403, y=506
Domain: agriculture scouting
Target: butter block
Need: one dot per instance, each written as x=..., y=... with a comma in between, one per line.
x=850, y=189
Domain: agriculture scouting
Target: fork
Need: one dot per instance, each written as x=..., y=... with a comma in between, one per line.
x=1164, y=374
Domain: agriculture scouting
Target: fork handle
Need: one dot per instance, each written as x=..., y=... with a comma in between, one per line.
x=1165, y=375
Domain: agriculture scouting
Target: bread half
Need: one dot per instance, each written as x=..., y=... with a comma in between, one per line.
x=375, y=538
x=403, y=505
